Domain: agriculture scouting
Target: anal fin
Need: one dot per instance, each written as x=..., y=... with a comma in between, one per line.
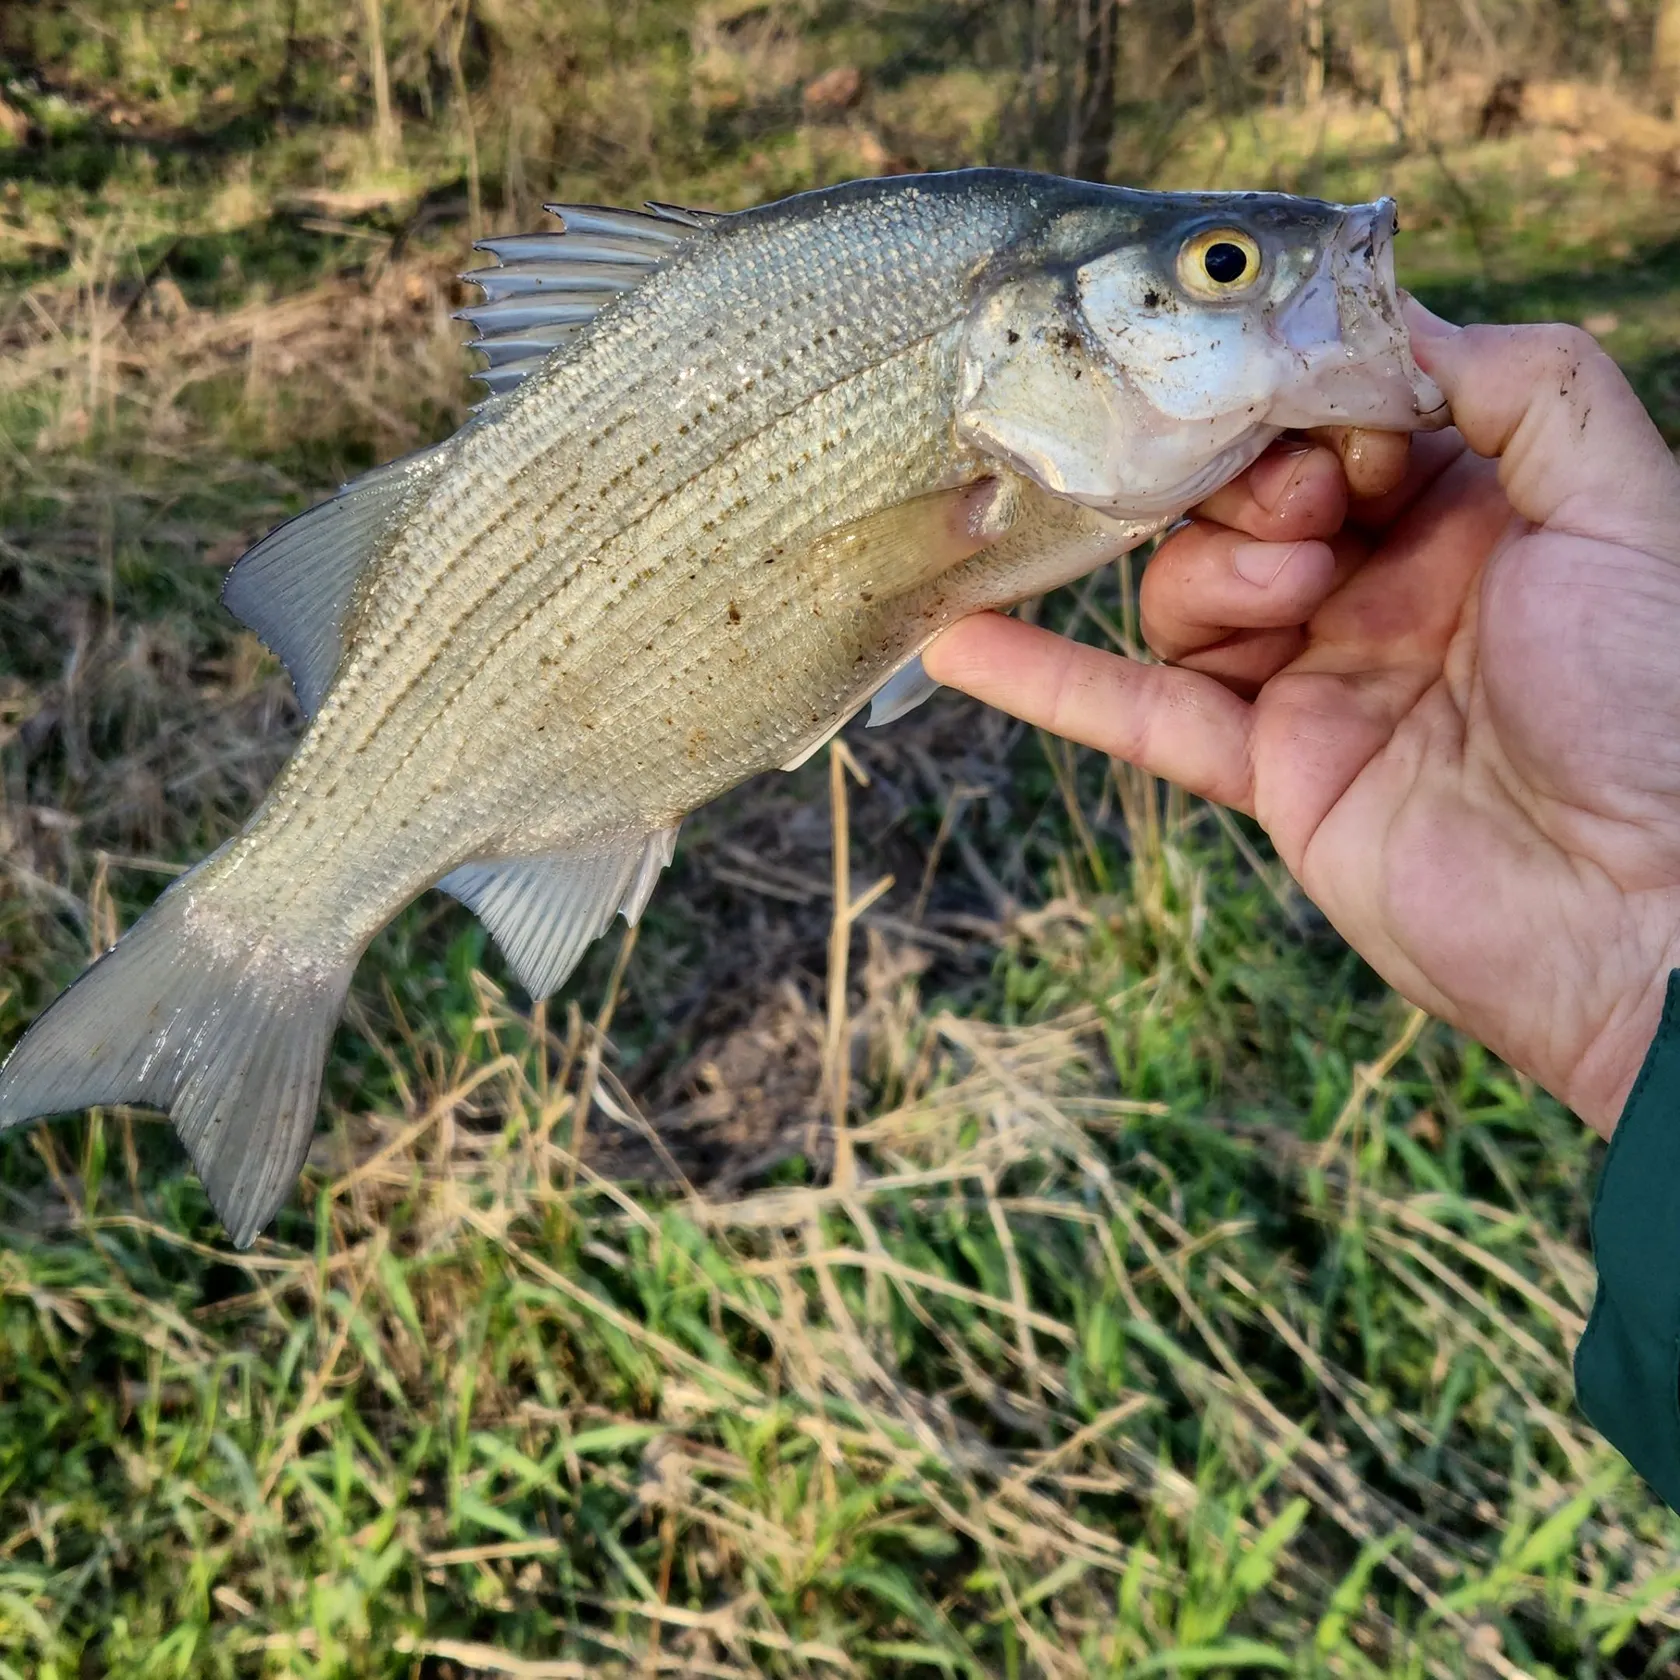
x=545, y=912
x=656, y=857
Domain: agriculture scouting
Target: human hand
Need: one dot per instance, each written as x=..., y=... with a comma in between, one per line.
x=1454, y=707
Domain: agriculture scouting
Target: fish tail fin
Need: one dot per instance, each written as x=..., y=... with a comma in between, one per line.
x=228, y=1034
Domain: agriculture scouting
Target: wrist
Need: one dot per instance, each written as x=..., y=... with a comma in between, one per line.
x=1604, y=1075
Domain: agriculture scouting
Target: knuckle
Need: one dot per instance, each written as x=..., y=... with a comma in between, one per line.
x=1162, y=628
x=1060, y=702
x=1166, y=590
x=1543, y=345
x=1565, y=349
x=1576, y=343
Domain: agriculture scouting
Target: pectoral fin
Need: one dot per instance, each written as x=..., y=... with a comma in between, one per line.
x=892, y=552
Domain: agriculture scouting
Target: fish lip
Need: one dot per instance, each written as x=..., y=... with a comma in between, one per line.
x=1359, y=372
x=1370, y=227
x=1379, y=223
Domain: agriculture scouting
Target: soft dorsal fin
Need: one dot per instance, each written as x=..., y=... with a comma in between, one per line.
x=294, y=588
x=547, y=286
x=545, y=912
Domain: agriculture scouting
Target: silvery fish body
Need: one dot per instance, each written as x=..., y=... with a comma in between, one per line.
x=736, y=473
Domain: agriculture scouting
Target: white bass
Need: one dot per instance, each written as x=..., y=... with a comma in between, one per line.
x=735, y=473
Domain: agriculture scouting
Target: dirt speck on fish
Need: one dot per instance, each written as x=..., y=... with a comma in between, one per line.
x=736, y=471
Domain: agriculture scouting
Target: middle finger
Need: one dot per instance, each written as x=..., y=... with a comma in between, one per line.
x=1294, y=491
x=1206, y=581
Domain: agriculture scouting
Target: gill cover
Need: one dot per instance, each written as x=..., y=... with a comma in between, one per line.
x=1040, y=391
x=1035, y=393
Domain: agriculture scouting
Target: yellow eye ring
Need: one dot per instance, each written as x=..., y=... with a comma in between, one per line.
x=1218, y=262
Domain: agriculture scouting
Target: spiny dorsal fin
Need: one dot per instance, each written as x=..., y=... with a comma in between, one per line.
x=545, y=912
x=294, y=588
x=546, y=287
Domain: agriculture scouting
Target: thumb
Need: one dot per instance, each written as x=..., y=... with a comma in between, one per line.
x=1576, y=449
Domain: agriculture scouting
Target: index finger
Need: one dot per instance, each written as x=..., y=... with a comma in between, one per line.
x=1293, y=493
x=1430, y=455
x=1178, y=724
x=1299, y=490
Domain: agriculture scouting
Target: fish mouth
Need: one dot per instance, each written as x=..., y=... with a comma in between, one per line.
x=1350, y=343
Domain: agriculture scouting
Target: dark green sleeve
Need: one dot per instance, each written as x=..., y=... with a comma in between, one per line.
x=1627, y=1366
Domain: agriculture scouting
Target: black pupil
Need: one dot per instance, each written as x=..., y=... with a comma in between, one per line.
x=1225, y=262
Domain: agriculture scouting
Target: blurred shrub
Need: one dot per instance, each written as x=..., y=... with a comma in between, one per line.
x=520, y=93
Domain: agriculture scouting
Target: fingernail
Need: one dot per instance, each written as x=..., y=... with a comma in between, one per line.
x=1270, y=477
x=1424, y=323
x=1260, y=562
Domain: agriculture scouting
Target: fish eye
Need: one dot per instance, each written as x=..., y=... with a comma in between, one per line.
x=1219, y=262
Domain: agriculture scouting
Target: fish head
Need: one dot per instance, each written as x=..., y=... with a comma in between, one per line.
x=1139, y=375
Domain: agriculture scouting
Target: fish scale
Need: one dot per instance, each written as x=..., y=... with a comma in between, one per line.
x=735, y=474
x=611, y=386
x=563, y=563
x=500, y=655
x=521, y=626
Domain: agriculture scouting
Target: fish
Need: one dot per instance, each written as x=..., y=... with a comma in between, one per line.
x=733, y=474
